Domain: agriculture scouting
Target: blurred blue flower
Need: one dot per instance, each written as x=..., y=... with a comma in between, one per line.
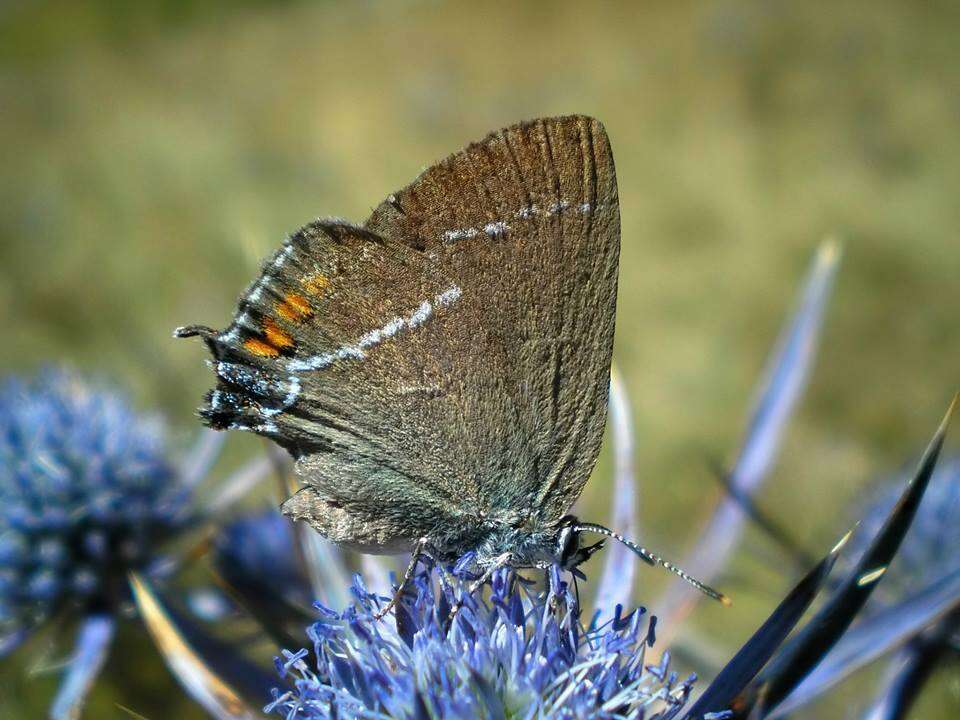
x=260, y=548
x=258, y=557
x=86, y=494
x=515, y=653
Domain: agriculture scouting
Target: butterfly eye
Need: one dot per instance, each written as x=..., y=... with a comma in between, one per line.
x=568, y=545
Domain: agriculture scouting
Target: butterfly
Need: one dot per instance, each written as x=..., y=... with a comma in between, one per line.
x=440, y=373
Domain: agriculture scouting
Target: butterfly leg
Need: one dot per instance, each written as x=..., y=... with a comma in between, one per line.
x=419, y=550
x=499, y=562
x=552, y=583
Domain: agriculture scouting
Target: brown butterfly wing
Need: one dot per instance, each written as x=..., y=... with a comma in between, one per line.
x=529, y=218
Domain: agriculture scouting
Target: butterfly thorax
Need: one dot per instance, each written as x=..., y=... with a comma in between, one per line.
x=534, y=544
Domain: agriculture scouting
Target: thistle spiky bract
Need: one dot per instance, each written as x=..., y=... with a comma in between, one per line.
x=929, y=549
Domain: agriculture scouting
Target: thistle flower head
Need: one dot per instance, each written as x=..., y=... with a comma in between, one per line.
x=85, y=495
x=515, y=652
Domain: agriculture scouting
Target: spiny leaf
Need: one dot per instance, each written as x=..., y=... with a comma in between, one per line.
x=757, y=650
x=875, y=636
x=616, y=583
x=807, y=648
x=208, y=669
x=777, y=396
x=93, y=645
x=764, y=522
x=201, y=458
x=912, y=668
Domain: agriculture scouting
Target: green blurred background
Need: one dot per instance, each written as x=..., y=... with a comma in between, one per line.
x=154, y=152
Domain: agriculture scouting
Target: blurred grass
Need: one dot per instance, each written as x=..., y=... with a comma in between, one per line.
x=155, y=152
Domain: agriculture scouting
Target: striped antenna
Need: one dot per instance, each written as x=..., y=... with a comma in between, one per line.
x=654, y=559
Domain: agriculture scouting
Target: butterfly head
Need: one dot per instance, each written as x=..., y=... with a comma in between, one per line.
x=570, y=550
x=529, y=544
x=520, y=545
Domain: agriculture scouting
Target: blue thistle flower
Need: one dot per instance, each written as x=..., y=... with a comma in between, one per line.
x=516, y=653
x=87, y=495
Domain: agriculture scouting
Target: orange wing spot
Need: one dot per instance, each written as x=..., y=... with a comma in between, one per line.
x=260, y=348
x=295, y=308
x=316, y=284
x=275, y=336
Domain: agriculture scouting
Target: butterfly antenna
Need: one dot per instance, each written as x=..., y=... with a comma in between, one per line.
x=207, y=334
x=654, y=559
